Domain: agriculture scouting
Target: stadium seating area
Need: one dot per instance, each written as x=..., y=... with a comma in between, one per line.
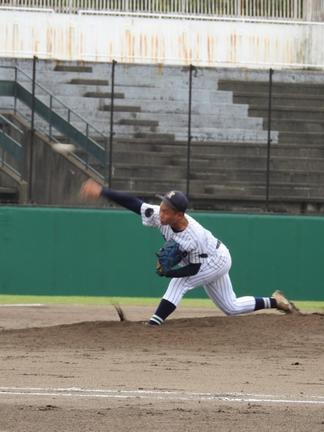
x=229, y=122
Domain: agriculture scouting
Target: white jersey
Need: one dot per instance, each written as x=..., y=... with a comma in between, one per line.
x=215, y=259
x=199, y=243
x=213, y=274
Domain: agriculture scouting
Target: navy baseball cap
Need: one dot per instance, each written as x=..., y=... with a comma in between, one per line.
x=176, y=200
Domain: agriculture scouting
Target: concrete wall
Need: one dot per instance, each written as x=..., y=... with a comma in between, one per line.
x=166, y=41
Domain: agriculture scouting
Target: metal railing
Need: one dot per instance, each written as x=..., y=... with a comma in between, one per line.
x=58, y=121
x=283, y=9
x=11, y=151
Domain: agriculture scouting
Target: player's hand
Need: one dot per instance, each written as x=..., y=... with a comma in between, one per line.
x=90, y=190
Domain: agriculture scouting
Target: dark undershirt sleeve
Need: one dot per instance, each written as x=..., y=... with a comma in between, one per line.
x=131, y=203
x=188, y=270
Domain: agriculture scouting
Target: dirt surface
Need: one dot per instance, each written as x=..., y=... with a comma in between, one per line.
x=68, y=368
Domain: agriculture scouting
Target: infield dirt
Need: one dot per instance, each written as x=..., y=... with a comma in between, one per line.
x=276, y=359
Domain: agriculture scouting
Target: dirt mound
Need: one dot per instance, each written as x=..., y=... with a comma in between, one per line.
x=249, y=332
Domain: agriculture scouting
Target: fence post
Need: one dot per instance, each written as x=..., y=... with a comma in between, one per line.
x=269, y=138
x=191, y=68
x=15, y=92
x=50, y=122
x=111, y=134
x=32, y=134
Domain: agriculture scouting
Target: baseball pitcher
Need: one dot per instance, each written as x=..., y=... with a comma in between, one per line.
x=191, y=256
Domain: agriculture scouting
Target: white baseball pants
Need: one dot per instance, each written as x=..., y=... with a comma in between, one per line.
x=214, y=277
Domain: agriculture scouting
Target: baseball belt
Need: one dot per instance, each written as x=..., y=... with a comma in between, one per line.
x=204, y=255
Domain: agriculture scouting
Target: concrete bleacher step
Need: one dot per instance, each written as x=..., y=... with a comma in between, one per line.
x=89, y=81
x=210, y=150
x=9, y=195
x=121, y=108
x=158, y=136
x=296, y=125
x=136, y=122
x=166, y=144
x=277, y=100
x=177, y=167
x=167, y=147
x=304, y=138
x=141, y=138
x=143, y=157
x=103, y=95
x=226, y=110
x=289, y=113
x=138, y=171
x=300, y=150
x=143, y=186
x=180, y=120
x=72, y=68
x=223, y=135
x=279, y=191
x=259, y=162
x=169, y=94
x=277, y=87
x=258, y=175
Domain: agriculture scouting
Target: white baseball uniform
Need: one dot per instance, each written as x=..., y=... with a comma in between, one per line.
x=201, y=247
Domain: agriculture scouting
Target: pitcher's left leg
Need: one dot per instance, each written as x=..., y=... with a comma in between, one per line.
x=223, y=295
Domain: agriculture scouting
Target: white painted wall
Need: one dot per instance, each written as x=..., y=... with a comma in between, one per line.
x=165, y=41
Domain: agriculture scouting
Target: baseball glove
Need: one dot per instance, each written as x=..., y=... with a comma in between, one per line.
x=168, y=256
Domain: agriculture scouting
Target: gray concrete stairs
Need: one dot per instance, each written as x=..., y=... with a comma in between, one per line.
x=150, y=100
x=229, y=129
x=9, y=195
x=297, y=109
x=13, y=185
x=298, y=115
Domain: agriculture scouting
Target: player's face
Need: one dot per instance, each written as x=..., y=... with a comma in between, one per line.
x=168, y=216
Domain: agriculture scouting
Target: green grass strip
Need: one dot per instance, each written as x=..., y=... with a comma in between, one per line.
x=314, y=306
x=132, y=301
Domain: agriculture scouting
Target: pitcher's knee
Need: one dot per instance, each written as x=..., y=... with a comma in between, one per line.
x=231, y=309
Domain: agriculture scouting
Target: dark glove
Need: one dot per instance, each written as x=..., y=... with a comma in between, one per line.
x=168, y=256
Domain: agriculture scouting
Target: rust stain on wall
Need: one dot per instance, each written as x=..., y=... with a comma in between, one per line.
x=15, y=37
x=210, y=49
x=49, y=40
x=143, y=46
x=289, y=53
x=155, y=48
x=133, y=47
x=110, y=51
x=135, y=41
x=70, y=41
x=197, y=49
x=183, y=48
x=233, y=47
x=35, y=42
x=128, y=40
x=266, y=47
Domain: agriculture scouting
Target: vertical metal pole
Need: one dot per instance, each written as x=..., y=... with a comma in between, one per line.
x=32, y=134
x=111, y=134
x=269, y=139
x=191, y=68
x=87, y=154
x=50, y=122
x=15, y=93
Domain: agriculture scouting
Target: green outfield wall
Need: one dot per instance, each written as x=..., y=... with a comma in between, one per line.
x=47, y=251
